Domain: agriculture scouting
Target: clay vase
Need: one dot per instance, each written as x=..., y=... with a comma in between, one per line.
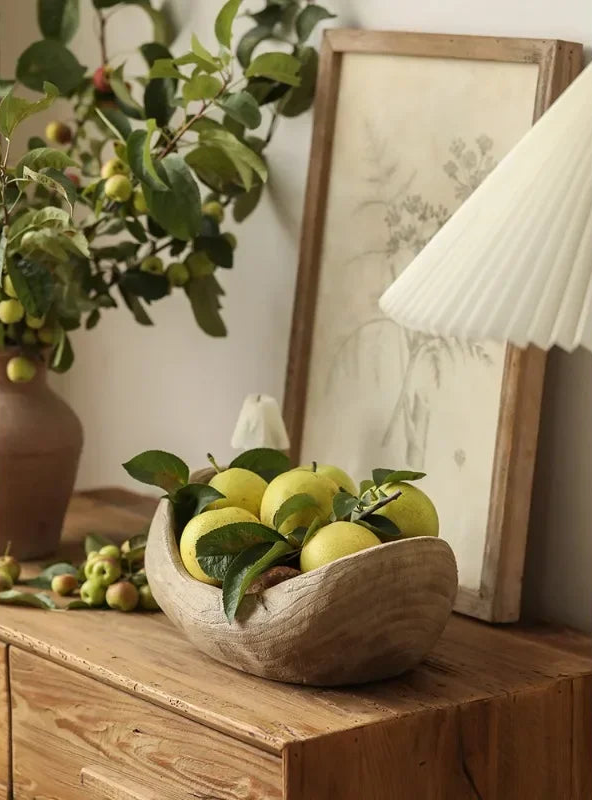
x=40, y=444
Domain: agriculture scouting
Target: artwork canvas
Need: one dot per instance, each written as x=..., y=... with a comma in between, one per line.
x=409, y=131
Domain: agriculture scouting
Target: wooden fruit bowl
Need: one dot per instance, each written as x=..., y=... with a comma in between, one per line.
x=367, y=616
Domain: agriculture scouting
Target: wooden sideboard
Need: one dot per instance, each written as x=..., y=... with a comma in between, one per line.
x=98, y=704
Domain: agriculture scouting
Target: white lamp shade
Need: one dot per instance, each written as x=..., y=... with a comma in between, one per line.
x=514, y=263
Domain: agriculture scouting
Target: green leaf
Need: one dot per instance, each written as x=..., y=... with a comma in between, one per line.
x=93, y=319
x=158, y=100
x=116, y=121
x=131, y=107
x=47, y=182
x=58, y=19
x=343, y=505
x=36, y=599
x=309, y=18
x=205, y=59
x=218, y=250
x=384, y=476
x=224, y=22
x=43, y=580
x=13, y=110
x=139, y=156
x=136, y=229
x=277, y=66
x=316, y=524
x=164, y=68
x=213, y=167
x=247, y=202
x=244, y=159
x=385, y=529
x=159, y=469
x=294, y=504
x=49, y=61
x=201, y=87
x=6, y=85
x=177, y=210
x=162, y=29
x=245, y=568
x=266, y=462
x=94, y=542
x=147, y=286
x=34, y=286
x=77, y=604
x=135, y=306
x=299, y=99
x=41, y=157
x=203, y=294
x=190, y=501
x=152, y=51
x=365, y=485
x=249, y=42
x=216, y=550
x=63, y=355
x=243, y=108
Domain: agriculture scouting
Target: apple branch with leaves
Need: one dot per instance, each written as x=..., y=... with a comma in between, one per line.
x=154, y=163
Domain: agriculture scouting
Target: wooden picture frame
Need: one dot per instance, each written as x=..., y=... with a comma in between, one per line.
x=497, y=598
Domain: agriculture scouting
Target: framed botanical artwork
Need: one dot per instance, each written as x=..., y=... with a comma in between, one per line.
x=406, y=126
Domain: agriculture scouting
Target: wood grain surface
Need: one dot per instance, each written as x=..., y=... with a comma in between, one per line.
x=5, y=783
x=498, y=597
x=63, y=724
x=385, y=606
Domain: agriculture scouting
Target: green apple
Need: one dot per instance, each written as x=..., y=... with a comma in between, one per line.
x=339, y=476
x=34, y=322
x=140, y=205
x=203, y=524
x=147, y=600
x=334, y=541
x=103, y=569
x=8, y=287
x=64, y=584
x=214, y=209
x=10, y=565
x=241, y=488
x=152, y=264
x=6, y=581
x=112, y=551
x=11, y=311
x=29, y=337
x=296, y=482
x=93, y=593
x=20, y=370
x=113, y=167
x=118, y=188
x=47, y=335
x=123, y=596
x=230, y=238
x=199, y=264
x=412, y=512
x=178, y=273
x=58, y=133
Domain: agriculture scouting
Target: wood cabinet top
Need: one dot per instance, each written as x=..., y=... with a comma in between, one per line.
x=144, y=655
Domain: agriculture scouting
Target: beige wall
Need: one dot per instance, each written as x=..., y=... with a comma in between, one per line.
x=171, y=387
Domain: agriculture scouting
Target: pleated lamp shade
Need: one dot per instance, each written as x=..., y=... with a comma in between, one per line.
x=514, y=263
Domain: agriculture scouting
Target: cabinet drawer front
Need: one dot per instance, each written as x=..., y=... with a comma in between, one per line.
x=4, y=724
x=72, y=737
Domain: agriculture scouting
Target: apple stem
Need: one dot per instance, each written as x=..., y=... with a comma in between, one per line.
x=7, y=549
x=314, y=467
x=212, y=461
x=379, y=504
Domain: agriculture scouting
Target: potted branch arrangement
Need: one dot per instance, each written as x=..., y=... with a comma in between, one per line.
x=153, y=163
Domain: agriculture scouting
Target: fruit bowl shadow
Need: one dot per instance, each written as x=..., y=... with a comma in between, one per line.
x=367, y=616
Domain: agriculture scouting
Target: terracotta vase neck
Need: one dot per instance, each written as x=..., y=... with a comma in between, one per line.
x=38, y=382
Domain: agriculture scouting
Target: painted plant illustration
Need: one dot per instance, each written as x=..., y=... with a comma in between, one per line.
x=410, y=221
